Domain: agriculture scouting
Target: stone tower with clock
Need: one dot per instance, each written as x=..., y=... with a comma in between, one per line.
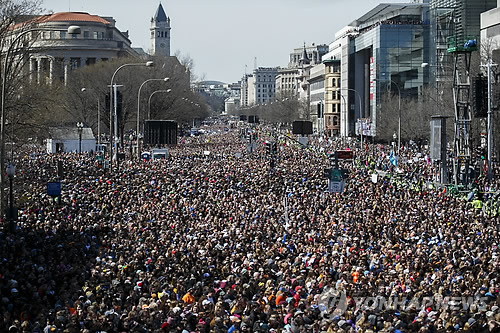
x=160, y=33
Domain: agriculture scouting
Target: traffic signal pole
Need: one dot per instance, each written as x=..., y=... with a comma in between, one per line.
x=490, y=122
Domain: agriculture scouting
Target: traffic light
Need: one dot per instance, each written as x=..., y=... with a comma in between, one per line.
x=119, y=100
x=106, y=101
x=268, y=147
x=480, y=96
x=327, y=173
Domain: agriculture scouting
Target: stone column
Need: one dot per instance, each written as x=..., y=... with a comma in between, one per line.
x=32, y=69
x=51, y=70
x=39, y=70
x=66, y=70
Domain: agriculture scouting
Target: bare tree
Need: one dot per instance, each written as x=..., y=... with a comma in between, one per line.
x=11, y=12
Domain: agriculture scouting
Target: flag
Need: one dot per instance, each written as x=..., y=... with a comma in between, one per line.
x=393, y=159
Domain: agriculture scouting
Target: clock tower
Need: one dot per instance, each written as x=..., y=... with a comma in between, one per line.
x=160, y=33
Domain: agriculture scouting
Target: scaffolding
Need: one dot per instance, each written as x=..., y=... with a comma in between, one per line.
x=462, y=51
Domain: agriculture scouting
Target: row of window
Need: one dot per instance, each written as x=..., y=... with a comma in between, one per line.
x=159, y=34
x=64, y=35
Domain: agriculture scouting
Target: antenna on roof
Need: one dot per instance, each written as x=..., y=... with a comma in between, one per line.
x=69, y=5
x=255, y=63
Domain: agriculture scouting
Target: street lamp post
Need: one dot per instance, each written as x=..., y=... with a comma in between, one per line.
x=98, y=118
x=112, y=103
x=399, y=110
x=149, y=101
x=138, y=110
x=489, y=123
x=71, y=30
x=80, y=130
x=131, y=138
x=360, y=111
x=11, y=172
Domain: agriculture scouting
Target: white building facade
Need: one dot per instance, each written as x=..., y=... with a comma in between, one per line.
x=54, y=53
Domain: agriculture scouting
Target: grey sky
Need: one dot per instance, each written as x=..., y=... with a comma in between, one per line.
x=222, y=36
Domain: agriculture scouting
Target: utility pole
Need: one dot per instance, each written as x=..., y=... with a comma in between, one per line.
x=490, y=122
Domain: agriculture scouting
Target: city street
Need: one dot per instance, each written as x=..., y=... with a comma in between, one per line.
x=213, y=239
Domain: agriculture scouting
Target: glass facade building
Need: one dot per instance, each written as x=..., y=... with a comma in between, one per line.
x=387, y=54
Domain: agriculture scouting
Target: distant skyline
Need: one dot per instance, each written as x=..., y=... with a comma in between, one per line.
x=222, y=36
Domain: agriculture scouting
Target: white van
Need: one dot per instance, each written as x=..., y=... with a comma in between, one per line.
x=159, y=154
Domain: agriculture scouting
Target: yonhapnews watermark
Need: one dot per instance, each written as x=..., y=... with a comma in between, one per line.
x=335, y=302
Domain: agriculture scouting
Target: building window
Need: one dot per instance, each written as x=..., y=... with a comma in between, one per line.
x=86, y=34
x=91, y=61
x=62, y=34
x=335, y=121
x=74, y=63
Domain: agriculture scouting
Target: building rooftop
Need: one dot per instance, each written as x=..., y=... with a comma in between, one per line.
x=73, y=17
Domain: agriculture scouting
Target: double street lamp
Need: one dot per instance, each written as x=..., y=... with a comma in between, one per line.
x=113, y=110
x=71, y=30
x=347, y=116
x=138, y=110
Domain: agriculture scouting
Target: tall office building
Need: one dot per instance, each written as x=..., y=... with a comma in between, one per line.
x=458, y=19
x=380, y=51
x=160, y=33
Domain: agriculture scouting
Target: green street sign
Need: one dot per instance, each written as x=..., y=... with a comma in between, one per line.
x=336, y=175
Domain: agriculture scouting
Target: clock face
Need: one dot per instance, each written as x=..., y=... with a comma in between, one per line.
x=162, y=45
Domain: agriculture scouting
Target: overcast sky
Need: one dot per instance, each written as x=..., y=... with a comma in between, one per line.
x=222, y=36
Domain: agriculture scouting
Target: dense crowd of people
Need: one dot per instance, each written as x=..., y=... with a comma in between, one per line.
x=215, y=240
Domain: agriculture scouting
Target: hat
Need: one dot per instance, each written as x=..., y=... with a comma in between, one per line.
x=235, y=319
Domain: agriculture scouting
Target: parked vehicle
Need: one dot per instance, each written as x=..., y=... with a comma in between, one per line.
x=160, y=154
